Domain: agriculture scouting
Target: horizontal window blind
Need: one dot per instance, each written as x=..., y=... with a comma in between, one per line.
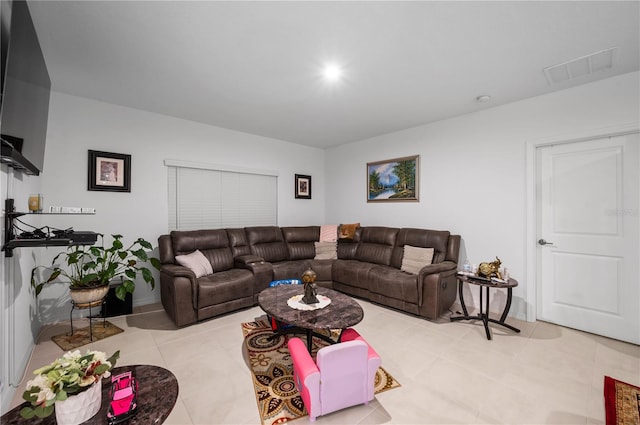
x=205, y=198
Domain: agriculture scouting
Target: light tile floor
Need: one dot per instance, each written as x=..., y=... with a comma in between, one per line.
x=450, y=373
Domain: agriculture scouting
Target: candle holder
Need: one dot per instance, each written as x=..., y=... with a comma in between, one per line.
x=35, y=203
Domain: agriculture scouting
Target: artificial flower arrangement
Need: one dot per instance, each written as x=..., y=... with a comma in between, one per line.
x=71, y=374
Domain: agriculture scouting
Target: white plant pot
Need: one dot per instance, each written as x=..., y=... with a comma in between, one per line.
x=84, y=296
x=80, y=407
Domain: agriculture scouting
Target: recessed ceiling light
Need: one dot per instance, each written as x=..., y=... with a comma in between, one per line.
x=332, y=72
x=483, y=98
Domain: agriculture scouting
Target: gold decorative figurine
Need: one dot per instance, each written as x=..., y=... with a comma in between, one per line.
x=490, y=270
x=310, y=292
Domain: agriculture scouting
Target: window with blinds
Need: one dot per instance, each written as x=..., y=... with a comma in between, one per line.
x=206, y=197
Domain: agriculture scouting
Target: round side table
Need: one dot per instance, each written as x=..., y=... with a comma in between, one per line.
x=485, y=285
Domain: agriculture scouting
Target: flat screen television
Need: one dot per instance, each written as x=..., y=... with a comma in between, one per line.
x=24, y=107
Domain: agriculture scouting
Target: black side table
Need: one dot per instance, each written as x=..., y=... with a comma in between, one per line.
x=485, y=286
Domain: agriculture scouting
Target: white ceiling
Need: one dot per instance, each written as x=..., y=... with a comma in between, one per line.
x=255, y=66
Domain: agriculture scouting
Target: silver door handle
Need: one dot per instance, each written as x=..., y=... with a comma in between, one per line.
x=543, y=242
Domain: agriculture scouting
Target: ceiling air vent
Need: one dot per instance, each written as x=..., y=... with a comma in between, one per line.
x=585, y=65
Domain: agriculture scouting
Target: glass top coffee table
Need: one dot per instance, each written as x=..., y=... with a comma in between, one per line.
x=341, y=313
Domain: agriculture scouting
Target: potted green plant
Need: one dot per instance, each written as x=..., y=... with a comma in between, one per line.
x=89, y=269
x=72, y=384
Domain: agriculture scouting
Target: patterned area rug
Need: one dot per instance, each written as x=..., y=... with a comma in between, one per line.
x=276, y=394
x=621, y=402
x=80, y=336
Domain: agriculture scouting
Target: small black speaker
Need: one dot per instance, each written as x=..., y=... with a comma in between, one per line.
x=114, y=306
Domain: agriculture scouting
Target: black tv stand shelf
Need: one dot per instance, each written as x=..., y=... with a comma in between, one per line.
x=11, y=241
x=18, y=243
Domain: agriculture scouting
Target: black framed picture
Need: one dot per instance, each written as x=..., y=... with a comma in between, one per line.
x=109, y=171
x=303, y=186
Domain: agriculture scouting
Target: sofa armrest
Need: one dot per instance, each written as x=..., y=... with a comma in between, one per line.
x=301, y=358
x=178, y=289
x=262, y=271
x=175, y=270
x=241, y=261
x=437, y=268
x=374, y=360
x=434, y=274
x=437, y=288
x=306, y=376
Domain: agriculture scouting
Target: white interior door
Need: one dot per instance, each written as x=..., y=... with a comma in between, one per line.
x=588, y=243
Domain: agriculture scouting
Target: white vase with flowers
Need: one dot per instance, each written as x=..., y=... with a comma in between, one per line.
x=72, y=384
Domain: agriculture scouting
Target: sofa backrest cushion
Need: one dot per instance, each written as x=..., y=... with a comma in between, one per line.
x=376, y=245
x=423, y=238
x=300, y=241
x=347, y=247
x=267, y=242
x=214, y=244
x=238, y=242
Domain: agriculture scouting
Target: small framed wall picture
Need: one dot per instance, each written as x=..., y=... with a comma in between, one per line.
x=303, y=186
x=109, y=172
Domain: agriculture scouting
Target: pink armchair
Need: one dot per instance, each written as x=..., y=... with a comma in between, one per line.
x=343, y=376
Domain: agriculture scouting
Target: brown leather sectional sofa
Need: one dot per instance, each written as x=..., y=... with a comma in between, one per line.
x=245, y=260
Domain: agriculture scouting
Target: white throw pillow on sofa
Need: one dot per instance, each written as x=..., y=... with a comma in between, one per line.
x=326, y=250
x=197, y=262
x=415, y=258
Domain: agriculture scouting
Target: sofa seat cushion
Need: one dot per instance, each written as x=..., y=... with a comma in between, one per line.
x=224, y=286
x=323, y=269
x=290, y=269
x=352, y=273
x=394, y=283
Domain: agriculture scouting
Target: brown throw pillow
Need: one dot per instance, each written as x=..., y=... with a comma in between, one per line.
x=348, y=231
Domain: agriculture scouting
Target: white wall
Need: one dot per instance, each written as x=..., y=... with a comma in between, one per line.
x=77, y=125
x=473, y=170
x=19, y=324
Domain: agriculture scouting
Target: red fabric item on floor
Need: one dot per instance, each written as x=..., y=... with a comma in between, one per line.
x=621, y=402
